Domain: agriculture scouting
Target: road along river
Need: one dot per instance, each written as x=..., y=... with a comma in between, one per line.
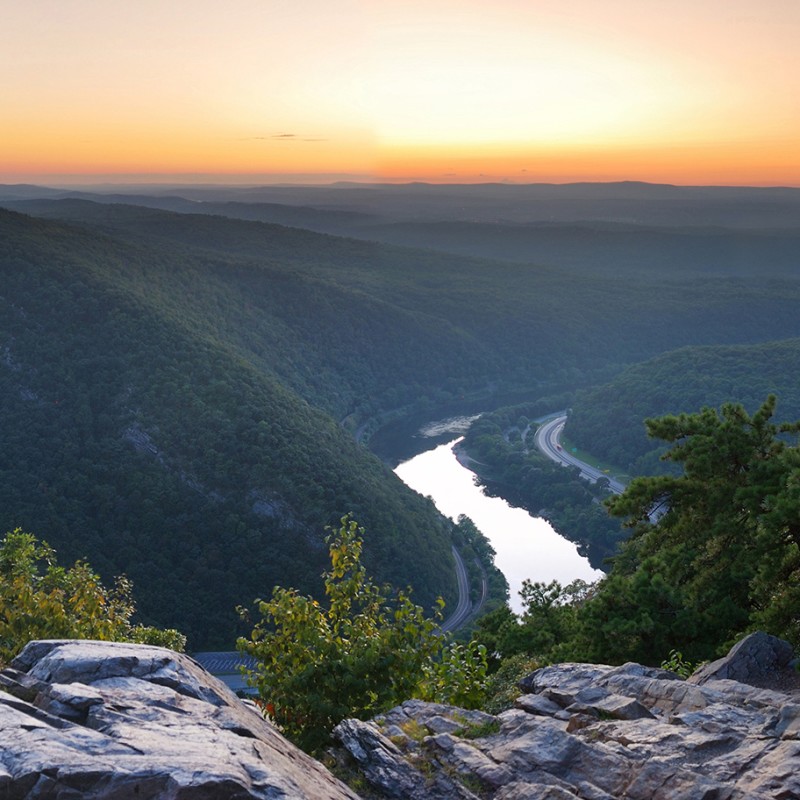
x=548, y=440
x=526, y=546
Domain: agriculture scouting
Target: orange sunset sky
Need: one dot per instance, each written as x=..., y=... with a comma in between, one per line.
x=677, y=91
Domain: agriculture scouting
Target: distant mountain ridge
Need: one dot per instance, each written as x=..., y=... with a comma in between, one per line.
x=629, y=202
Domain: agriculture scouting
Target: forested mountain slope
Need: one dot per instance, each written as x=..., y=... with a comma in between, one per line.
x=136, y=437
x=175, y=386
x=367, y=313
x=608, y=420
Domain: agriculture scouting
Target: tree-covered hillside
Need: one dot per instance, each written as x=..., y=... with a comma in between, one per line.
x=358, y=319
x=180, y=392
x=607, y=420
x=720, y=559
x=141, y=439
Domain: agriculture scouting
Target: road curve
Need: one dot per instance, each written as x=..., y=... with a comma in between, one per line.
x=548, y=440
x=464, y=608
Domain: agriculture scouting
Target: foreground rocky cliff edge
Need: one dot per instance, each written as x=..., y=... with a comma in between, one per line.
x=599, y=732
x=84, y=719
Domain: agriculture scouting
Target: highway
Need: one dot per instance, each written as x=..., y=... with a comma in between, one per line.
x=548, y=440
x=464, y=608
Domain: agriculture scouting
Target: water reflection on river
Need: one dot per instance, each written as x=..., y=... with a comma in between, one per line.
x=526, y=546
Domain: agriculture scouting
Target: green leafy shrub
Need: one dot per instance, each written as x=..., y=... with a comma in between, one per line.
x=678, y=664
x=355, y=657
x=546, y=627
x=502, y=687
x=41, y=600
x=458, y=676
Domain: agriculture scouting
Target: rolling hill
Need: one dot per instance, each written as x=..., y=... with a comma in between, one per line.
x=608, y=420
x=181, y=391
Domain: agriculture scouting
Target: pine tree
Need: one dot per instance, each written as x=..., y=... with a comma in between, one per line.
x=714, y=551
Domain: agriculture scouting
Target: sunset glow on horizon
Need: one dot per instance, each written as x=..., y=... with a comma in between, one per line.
x=701, y=92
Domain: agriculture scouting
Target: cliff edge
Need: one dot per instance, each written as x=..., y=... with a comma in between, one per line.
x=88, y=719
x=598, y=732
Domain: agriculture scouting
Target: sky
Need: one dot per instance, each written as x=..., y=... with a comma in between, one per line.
x=253, y=91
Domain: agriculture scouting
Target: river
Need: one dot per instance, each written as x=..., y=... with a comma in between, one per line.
x=526, y=546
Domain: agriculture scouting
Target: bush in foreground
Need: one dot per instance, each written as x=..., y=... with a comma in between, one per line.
x=357, y=655
x=41, y=600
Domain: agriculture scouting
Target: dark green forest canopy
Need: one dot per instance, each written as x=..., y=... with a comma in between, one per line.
x=608, y=420
x=162, y=453
x=342, y=302
x=714, y=553
x=173, y=387
x=723, y=557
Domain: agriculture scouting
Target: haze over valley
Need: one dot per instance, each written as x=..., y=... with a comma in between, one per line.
x=183, y=392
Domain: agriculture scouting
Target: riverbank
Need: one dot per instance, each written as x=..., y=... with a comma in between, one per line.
x=464, y=458
x=526, y=547
x=515, y=469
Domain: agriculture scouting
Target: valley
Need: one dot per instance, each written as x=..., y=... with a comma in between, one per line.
x=389, y=359
x=182, y=391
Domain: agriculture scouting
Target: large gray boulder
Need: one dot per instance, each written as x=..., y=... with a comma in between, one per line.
x=594, y=732
x=758, y=660
x=87, y=719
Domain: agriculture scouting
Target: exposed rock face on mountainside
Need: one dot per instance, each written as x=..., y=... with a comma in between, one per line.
x=89, y=719
x=599, y=732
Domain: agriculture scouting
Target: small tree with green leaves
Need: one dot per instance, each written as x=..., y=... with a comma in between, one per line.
x=357, y=655
x=457, y=676
x=41, y=600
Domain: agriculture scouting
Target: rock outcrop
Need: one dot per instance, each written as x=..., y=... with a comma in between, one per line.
x=82, y=719
x=758, y=660
x=599, y=732
x=85, y=719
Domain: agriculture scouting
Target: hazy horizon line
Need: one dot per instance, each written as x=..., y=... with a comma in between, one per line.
x=233, y=180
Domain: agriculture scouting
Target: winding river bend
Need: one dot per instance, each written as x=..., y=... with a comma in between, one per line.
x=526, y=546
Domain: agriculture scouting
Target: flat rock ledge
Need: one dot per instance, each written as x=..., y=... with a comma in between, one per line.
x=87, y=719
x=599, y=732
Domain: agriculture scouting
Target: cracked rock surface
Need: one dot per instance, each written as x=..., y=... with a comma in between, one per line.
x=82, y=719
x=86, y=719
x=599, y=732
